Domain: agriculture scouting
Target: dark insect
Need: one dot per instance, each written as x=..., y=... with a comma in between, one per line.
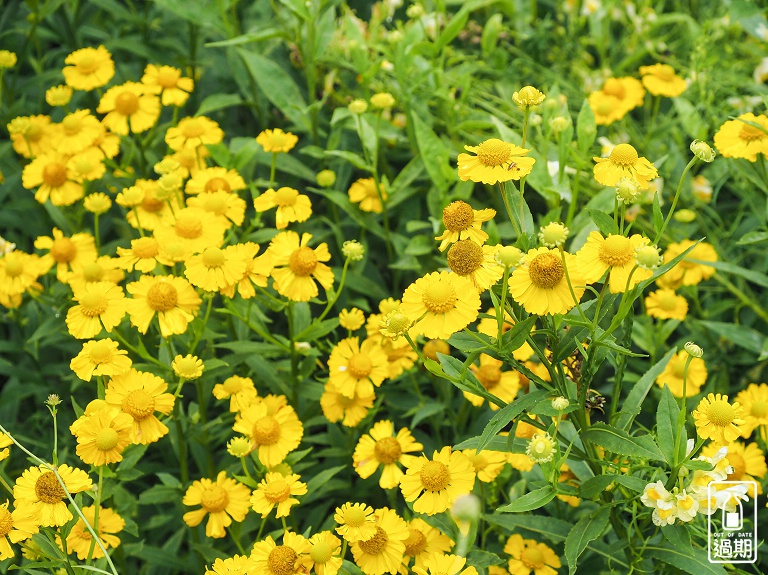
x=511, y=165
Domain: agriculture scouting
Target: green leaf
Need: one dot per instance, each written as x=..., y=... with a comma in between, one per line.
x=753, y=237
x=298, y=7
x=679, y=536
x=554, y=529
x=749, y=275
x=742, y=335
x=696, y=562
x=589, y=528
x=618, y=441
x=433, y=152
x=355, y=159
x=530, y=501
x=694, y=124
x=218, y=102
x=159, y=494
x=597, y=484
x=250, y=37
x=666, y=423
x=631, y=407
x=586, y=127
x=315, y=486
x=515, y=337
x=603, y=221
x=482, y=559
x=658, y=218
x=508, y=413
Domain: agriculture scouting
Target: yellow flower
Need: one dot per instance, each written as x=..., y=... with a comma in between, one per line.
x=19, y=272
x=494, y=161
x=99, y=304
x=214, y=180
x=129, y=108
x=87, y=272
x=58, y=95
x=364, y=192
x=77, y=131
x=237, y=565
x=351, y=319
x=275, y=491
x=215, y=269
x=487, y=464
x=103, y=436
x=8, y=59
x=290, y=558
x=222, y=500
x=686, y=272
x=442, y=564
x=325, y=552
x=276, y=140
x=97, y=203
x=718, y=420
x=79, y=539
x=349, y=410
x=53, y=179
x=5, y=443
x=382, y=100
x=624, y=162
x=380, y=448
x=240, y=391
x=661, y=80
x=141, y=255
x=737, y=139
x=382, y=553
x=15, y=526
x=440, y=304
x=615, y=254
x=502, y=384
x=193, y=228
x=461, y=220
x=540, y=284
x=140, y=395
x=187, y=367
x=88, y=68
x=606, y=108
x=747, y=461
x=173, y=300
x=356, y=522
x=527, y=97
x=627, y=90
x=193, y=132
x=39, y=491
x=296, y=264
x=291, y=206
x=356, y=368
x=434, y=484
x=101, y=357
x=435, y=346
x=274, y=428
x=672, y=375
x=528, y=555
x=666, y=304
x=477, y=263
x=423, y=540
x=92, y=407
x=755, y=402
x=222, y=204
x=168, y=81
x=569, y=478
x=31, y=135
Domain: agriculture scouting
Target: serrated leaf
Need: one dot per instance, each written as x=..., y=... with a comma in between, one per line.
x=619, y=441
x=588, y=528
x=530, y=501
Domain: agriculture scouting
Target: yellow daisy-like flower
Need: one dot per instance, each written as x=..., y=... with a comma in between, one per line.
x=173, y=300
x=237, y=565
x=747, y=461
x=351, y=319
x=382, y=553
x=755, y=402
x=193, y=132
x=442, y=564
x=53, y=179
x=528, y=555
x=423, y=540
x=240, y=391
x=434, y=484
x=364, y=193
x=151, y=212
x=349, y=410
x=666, y=304
x=380, y=447
x=325, y=552
x=718, y=420
x=187, y=367
x=193, y=228
x=477, y=263
x=297, y=266
x=5, y=443
x=487, y=464
x=99, y=304
x=129, y=108
x=38, y=490
x=661, y=80
x=257, y=270
x=88, y=166
x=31, y=135
x=356, y=522
x=274, y=433
x=103, y=436
x=541, y=286
x=79, y=539
x=85, y=272
x=141, y=255
x=97, y=203
x=686, y=272
x=88, y=68
x=15, y=526
x=215, y=269
x=615, y=254
x=629, y=91
x=502, y=384
x=606, y=108
x=290, y=558
x=222, y=500
x=672, y=375
x=215, y=180
x=19, y=272
x=277, y=141
x=291, y=206
x=77, y=131
x=140, y=395
x=355, y=369
x=168, y=82
x=275, y=491
x=737, y=139
x=494, y=161
x=461, y=221
x=222, y=204
x=440, y=304
x=624, y=162
x=101, y=357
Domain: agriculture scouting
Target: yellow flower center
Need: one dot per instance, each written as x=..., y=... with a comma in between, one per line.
x=106, y=439
x=151, y=204
x=494, y=152
x=604, y=108
x=614, y=87
x=664, y=72
x=87, y=64
x=145, y=248
x=266, y=431
x=435, y=476
x=6, y=522
x=303, y=261
x=216, y=203
x=355, y=516
x=100, y=352
x=13, y=266
x=624, y=155
x=162, y=296
x=387, y=450
x=192, y=129
x=546, y=270
x=167, y=77
x=458, y=216
x=93, y=304
x=189, y=226
x=277, y=491
x=217, y=184
x=286, y=196
x=359, y=366
x=750, y=133
x=465, y=257
x=54, y=175
x=720, y=413
x=439, y=297
x=127, y=103
x=214, y=499
x=282, y=560
x=488, y=375
x=213, y=257
x=759, y=409
x=72, y=124
x=232, y=385
x=321, y=552
x=739, y=467
x=93, y=272
x=667, y=301
x=616, y=251
x=376, y=544
x=416, y=542
x=63, y=250
x=48, y=489
x=138, y=404
x=532, y=558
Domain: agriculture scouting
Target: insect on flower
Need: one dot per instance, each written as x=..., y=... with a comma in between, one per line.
x=511, y=165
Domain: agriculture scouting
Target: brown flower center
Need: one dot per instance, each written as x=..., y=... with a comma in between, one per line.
x=721, y=413
x=616, y=251
x=277, y=491
x=138, y=404
x=127, y=103
x=387, y=450
x=216, y=184
x=359, y=366
x=286, y=196
x=465, y=257
x=151, y=204
x=6, y=522
x=624, y=155
x=494, y=152
x=282, y=560
x=376, y=544
x=106, y=439
x=189, y=226
x=48, y=489
x=54, y=175
x=458, y=216
x=546, y=270
x=145, y=248
x=416, y=542
x=213, y=257
x=750, y=133
x=266, y=431
x=488, y=375
x=214, y=499
x=93, y=304
x=303, y=261
x=435, y=476
x=439, y=297
x=532, y=558
x=162, y=296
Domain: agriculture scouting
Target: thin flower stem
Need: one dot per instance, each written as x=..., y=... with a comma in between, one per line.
x=96, y=232
x=202, y=329
x=570, y=286
x=332, y=301
x=6, y=485
x=509, y=209
x=574, y=198
x=674, y=201
x=502, y=304
x=96, y=506
x=272, y=169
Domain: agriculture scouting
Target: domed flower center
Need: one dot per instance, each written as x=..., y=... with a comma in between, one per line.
x=678, y=369
x=167, y=77
x=750, y=133
x=106, y=439
x=614, y=87
x=277, y=491
x=189, y=226
x=494, y=152
x=286, y=196
x=465, y=257
x=192, y=129
x=213, y=257
x=127, y=103
x=721, y=413
x=605, y=107
x=282, y=560
x=739, y=467
x=145, y=248
x=48, y=489
x=83, y=164
x=93, y=304
x=667, y=301
x=458, y=216
x=359, y=365
x=232, y=385
x=488, y=375
x=151, y=204
x=759, y=409
x=138, y=404
x=387, y=450
x=532, y=558
x=321, y=552
x=345, y=401
x=266, y=431
x=72, y=124
x=216, y=203
x=439, y=297
x=355, y=516
x=93, y=272
x=162, y=296
x=100, y=352
x=376, y=544
x=54, y=175
x=217, y=184
x=416, y=542
x=664, y=72
x=303, y=261
x=616, y=251
x=624, y=155
x=214, y=499
x=87, y=64
x=546, y=270
x=6, y=522
x=435, y=476
x=13, y=266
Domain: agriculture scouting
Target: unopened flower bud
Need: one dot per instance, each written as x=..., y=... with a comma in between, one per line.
x=395, y=324
x=627, y=190
x=466, y=508
x=702, y=151
x=541, y=448
x=648, y=257
x=353, y=250
x=553, y=235
x=528, y=96
x=326, y=178
x=239, y=447
x=559, y=123
x=509, y=256
x=358, y=106
x=382, y=100
x=684, y=216
x=693, y=350
x=560, y=403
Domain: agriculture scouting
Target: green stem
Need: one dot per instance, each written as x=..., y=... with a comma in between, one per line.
x=332, y=301
x=574, y=198
x=272, y=169
x=674, y=201
x=96, y=506
x=96, y=231
x=202, y=328
x=743, y=298
x=294, y=355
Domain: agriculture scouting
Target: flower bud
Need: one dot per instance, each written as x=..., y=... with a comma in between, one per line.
x=541, y=448
x=358, y=106
x=693, y=350
x=648, y=257
x=702, y=151
x=239, y=447
x=58, y=95
x=415, y=11
x=627, y=190
x=382, y=100
x=528, y=96
x=553, y=235
x=560, y=403
x=7, y=59
x=353, y=250
x=395, y=324
x=326, y=178
x=559, y=123
x=466, y=508
x=684, y=216
x=509, y=256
